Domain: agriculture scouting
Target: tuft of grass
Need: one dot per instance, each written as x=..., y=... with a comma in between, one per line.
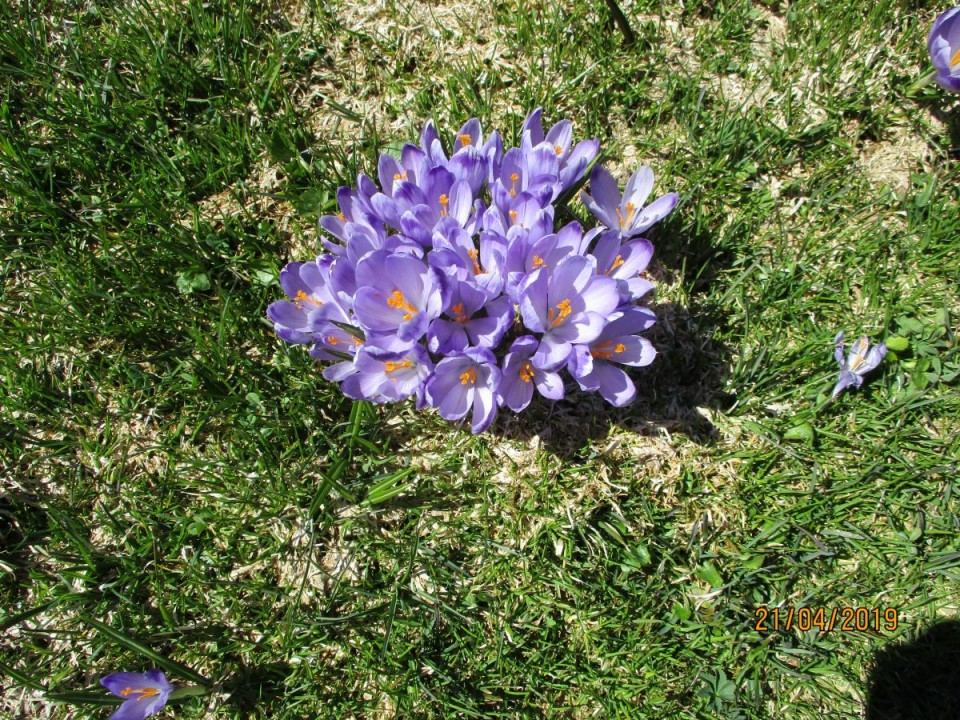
x=179, y=484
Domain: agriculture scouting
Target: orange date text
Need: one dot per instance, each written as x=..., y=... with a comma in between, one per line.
x=841, y=619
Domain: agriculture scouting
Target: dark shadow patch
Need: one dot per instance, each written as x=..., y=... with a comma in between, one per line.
x=918, y=680
x=257, y=689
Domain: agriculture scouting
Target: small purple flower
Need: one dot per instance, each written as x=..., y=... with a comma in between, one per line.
x=384, y=376
x=143, y=693
x=398, y=294
x=520, y=377
x=569, y=305
x=464, y=381
x=466, y=325
x=857, y=364
x=944, y=46
x=626, y=263
x=627, y=213
x=306, y=284
x=591, y=365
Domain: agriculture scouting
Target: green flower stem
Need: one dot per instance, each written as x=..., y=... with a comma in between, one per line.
x=189, y=691
x=921, y=82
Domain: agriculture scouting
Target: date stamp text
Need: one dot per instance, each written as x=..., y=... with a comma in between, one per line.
x=841, y=619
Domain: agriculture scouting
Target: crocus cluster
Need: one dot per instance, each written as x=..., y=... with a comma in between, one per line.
x=452, y=283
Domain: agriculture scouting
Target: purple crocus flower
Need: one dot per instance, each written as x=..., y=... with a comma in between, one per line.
x=306, y=284
x=467, y=325
x=569, y=305
x=384, y=376
x=520, y=377
x=464, y=381
x=625, y=262
x=626, y=213
x=944, y=46
x=592, y=365
x=143, y=693
x=857, y=364
x=398, y=294
x=572, y=159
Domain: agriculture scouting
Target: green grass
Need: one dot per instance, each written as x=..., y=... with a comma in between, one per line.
x=173, y=472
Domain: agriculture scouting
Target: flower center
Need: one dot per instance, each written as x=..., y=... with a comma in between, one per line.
x=444, y=201
x=458, y=313
x=858, y=359
x=526, y=372
x=143, y=693
x=624, y=221
x=558, y=150
x=468, y=376
x=332, y=340
x=602, y=349
x=396, y=300
x=400, y=176
x=465, y=139
x=390, y=366
x=302, y=297
x=955, y=60
x=561, y=313
x=618, y=261
x=513, y=217
x=537, y=261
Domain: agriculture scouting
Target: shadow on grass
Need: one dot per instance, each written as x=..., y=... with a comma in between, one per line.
x=918, y=680
x=256, y=689
x=687, y=374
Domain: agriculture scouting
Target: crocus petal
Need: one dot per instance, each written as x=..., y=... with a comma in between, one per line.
x=533, y=301
x=614, y=385
x=847, y=379
x=838, y=353
x=549, y=384
x=451, y=397
x=604, y=198
x=484, y=409
x=552, y=353
x=654, y=213
x=132, y=710
x=636, y=351
x=874, y=358
x=581, y=328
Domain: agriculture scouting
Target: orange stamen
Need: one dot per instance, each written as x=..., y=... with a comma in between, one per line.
x=465, y=139
x=616, y=263
x=400, y=176
x=513, y=216
x=513, y=184
x=444, y=201
x=955, y=60
x=396, y=300
x=563, y=310
x=470, y=376
x=558, y=150
x=147, y=692
x=473, y=256
x=332, y=340
x=624, y=221
x=526, y=372
x=537, y=261
x=302, y=297
x=458, y=313
x=390, y=366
